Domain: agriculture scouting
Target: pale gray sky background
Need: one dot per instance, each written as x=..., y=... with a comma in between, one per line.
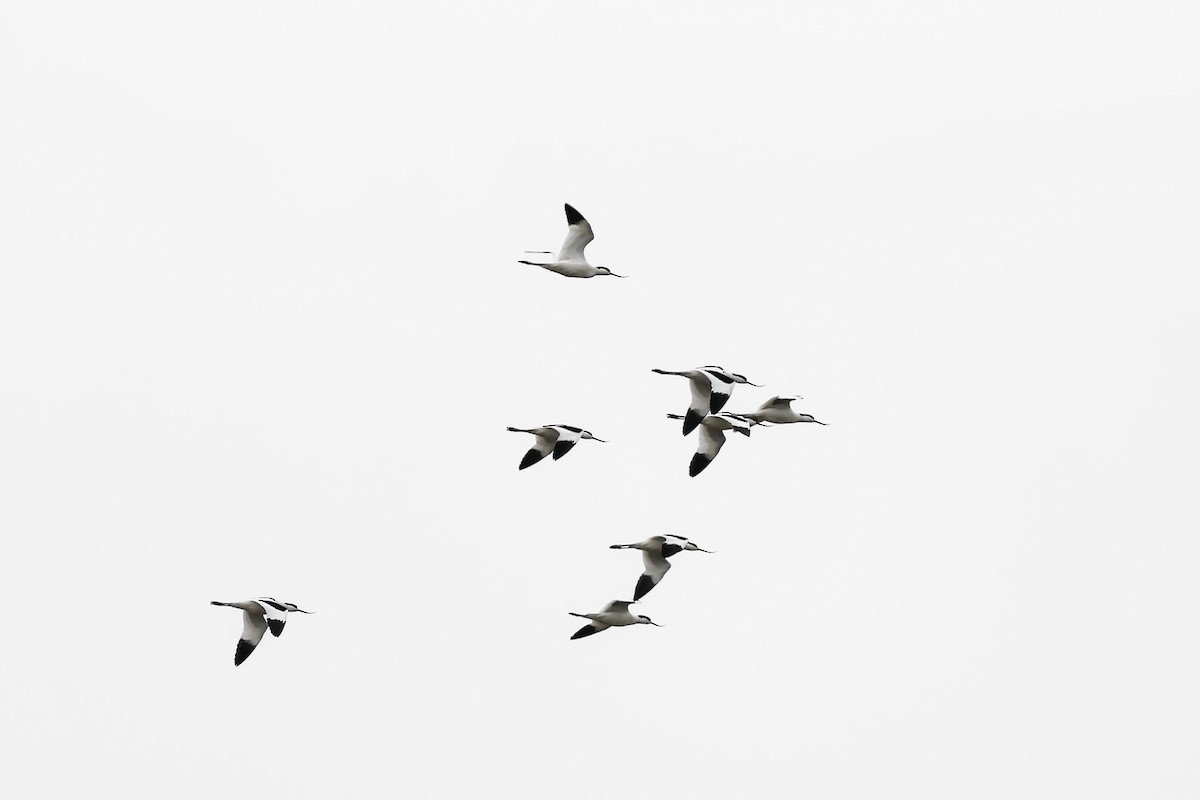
x=261, y=331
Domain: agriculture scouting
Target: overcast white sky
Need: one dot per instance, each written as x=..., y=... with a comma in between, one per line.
x=261, y=331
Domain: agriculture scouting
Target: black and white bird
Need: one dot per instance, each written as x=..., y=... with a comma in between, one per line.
x=710, y=387
x=257, y=617
x=614, y=615
x=556, y=439
x=778, y=410
x=655, y=552
x=570, y=260
x=712, y=438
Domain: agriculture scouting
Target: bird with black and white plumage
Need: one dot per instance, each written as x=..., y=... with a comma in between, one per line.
x=259, y=616
x=710, y=386
x=778, y=411
x=712, y=438
x=655, y=552
x=616, y=614
x=552, y=439
x=570, y=260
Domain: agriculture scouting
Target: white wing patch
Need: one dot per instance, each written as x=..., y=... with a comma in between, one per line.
x=701, y=387
x=276, y=617
x=711, y=441
x=578, y=236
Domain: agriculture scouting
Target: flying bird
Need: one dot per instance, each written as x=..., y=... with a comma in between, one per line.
x=570, y=260
x=710, y=387
x=712, y=438
x=655, y=552
x=556, y=439
x=778, y=410
x=615, y=614
x=257, y=617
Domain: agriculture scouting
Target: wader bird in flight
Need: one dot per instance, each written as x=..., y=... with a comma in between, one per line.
x=712, y=438
x=778, y=410
x=571, y=261
x=557, y=439
x=257, y=616
x=655, y=552
x=615, y=614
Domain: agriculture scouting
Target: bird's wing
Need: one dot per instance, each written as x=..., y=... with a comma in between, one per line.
x=568, y=436
x=735, y=423
x=777, y=402
x=701, y=388
x=617, y=605
x=711, y=440
x=579, y=233
x=254, y=625
x=722, y=387
x=680, y=543
x=544, y=439
x=589, y=629
x=275, y=612
x=671, y=548
x=656, y=566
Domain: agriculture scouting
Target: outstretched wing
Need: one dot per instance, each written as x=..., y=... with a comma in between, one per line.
x=722, y=387
x=777, y=402
x=618, y=605
x=711, y=441
x=544, y=439
x=275, y=613
x=656, y=566
x=579, y=233
x=254, y=625
x=701, y=387
x=588, y=630
x=568, y=436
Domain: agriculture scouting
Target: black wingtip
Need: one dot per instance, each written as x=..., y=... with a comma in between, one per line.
x=573, y=216
x=698, y=464
x=690, y=420
x=586, y=630
x=561, y=448
x=531, y=458
x=717, y=401
x=669, y=549
x=244, y=649
x=644, y=585
x=276, y=626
